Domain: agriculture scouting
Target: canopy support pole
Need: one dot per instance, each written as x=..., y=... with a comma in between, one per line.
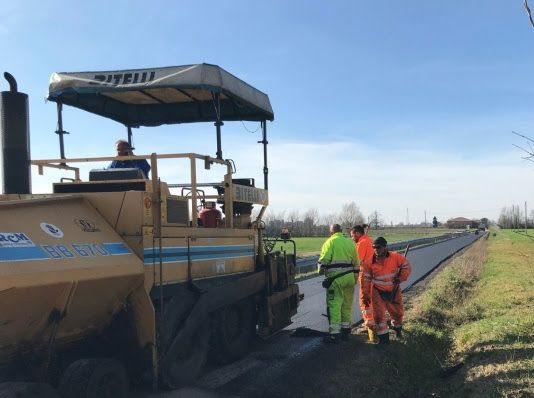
x=218, y=123
x=130, y=137
x=264, y=142
x=60, y=130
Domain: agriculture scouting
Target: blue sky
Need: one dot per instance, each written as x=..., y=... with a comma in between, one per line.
x=393, y=105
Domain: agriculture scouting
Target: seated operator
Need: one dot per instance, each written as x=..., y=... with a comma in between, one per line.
x=124, y=149
x=209, y=216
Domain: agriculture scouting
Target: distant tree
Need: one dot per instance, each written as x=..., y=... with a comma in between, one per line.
x=324, y=223
x=274, y=222
x=329, y=219
x=484, y=223
x=511, y=217
x=375, y=220
x=434, y=222
x=309, y=222
x=293, y=219
x=350, y=215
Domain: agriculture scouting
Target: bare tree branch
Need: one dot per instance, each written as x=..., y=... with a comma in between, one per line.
x=523, y=136
x=529, y=13
x=530, y=153
x=524, y=150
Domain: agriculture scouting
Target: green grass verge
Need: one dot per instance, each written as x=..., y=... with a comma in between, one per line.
x=310, y=246
x=483, y=317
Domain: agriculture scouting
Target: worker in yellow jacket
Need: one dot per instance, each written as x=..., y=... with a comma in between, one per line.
x=339, y=261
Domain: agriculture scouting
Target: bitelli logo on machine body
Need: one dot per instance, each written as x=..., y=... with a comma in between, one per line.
x=116, y=79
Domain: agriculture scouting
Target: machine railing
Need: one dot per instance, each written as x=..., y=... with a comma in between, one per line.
x=232, y=192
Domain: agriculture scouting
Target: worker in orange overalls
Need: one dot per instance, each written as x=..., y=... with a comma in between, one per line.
x=381, y=280
x=364, y=247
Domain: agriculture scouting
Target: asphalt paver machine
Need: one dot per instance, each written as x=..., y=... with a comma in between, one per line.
x=113, y=279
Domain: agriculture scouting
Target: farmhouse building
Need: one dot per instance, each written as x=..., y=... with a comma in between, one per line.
x=462, y=222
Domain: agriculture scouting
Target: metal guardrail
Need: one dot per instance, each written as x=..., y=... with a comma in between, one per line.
x=309, y=264
x=424, y=241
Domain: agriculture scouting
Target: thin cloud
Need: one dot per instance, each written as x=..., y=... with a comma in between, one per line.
x=391, y=181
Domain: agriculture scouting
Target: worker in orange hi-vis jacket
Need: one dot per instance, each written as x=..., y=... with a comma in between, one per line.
x=381, y=290
x=364, y=247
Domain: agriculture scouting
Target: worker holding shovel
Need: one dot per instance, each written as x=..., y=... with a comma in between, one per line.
x=381, y=280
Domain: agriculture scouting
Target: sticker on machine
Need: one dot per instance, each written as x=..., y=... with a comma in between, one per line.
x=15, y=239
x=86, y=225
x=220, y=266
x=52, y=230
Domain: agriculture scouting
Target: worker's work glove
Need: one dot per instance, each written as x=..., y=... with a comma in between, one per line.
x=320, y=269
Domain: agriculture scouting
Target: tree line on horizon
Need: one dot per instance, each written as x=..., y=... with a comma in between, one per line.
x=513, y=217
x=311, y=223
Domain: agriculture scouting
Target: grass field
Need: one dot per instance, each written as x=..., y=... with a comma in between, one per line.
x=312, y=245
x=480, y=312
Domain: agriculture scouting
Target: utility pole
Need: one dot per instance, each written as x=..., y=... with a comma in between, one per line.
x=526, y=219
x=407, y=217
x=425, y=220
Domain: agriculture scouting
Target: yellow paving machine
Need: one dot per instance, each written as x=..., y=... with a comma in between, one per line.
x=126, y=277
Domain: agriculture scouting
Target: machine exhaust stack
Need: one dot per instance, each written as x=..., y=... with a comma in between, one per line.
x=15, y=140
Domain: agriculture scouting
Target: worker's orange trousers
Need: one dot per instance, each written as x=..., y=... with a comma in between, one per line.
x=379, y=306
x=367, y=312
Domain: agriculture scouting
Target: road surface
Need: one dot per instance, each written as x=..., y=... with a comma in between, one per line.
x=253, y=375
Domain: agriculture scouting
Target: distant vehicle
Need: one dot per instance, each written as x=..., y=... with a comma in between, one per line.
x=113, y=278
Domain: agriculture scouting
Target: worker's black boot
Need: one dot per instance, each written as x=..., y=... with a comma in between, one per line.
x=332, y=338
x=383, y=339
x=398, y=331
x=345, y=334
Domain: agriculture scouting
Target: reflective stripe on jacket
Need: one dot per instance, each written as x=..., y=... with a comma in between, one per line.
x=338, y=250
x=382, y=272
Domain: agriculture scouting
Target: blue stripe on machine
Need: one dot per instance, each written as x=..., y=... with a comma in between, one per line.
x=196, y=249
x=116, y=248
x=22, y=254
